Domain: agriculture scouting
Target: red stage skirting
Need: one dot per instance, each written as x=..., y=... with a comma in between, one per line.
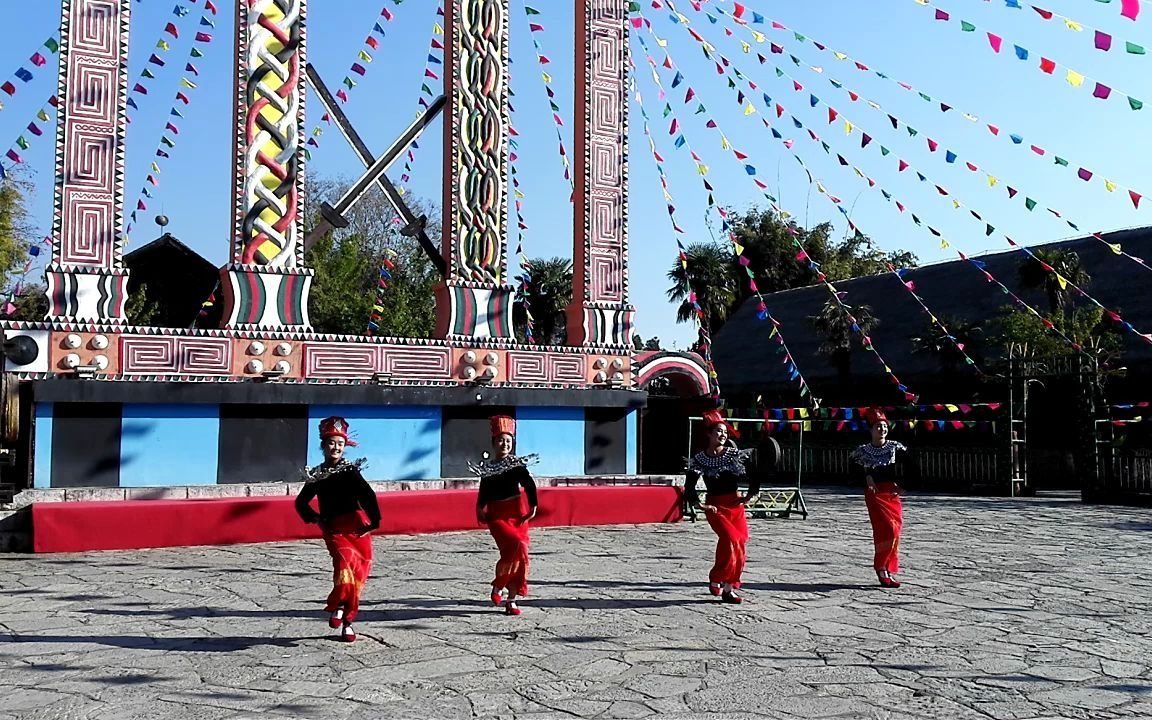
x=81, y=526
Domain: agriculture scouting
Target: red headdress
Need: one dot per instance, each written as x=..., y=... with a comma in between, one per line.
x=502, y=425
x=335, y=427
x=712, y=418
x=875, y=416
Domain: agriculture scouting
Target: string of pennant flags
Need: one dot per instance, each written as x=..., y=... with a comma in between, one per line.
x=524, y=279
x=22, y=141
x=1074, y=78
x=677, y=232
x=836, y=295
x=387, y=268
x=859, y=413
x=775, y=334
x=740, y=17
x=950, y=157
x=36, y=60
x=1101, y=40
x=435, y=57
x=536, y=29
x=171, y=131
x=140, y=87
x=358, y=68
x=34, y=249
x=933, y=147
x=773, y=426
x=850, y=127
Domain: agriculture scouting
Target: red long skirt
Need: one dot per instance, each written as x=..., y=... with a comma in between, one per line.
x=886, y=512
x=731, y=528
x=507, y=525
x=351, y=562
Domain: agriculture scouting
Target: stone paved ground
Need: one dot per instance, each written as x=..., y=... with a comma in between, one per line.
x=1035, y=608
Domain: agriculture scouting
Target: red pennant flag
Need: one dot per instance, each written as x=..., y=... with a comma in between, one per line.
x=1135, y=198
x=1046, y=14
x=853, y=95
x=903, y=166
x=832, y=115
x=9, y=88
x=171, y=30
x=1047, y=65
x=932, y=145
x=993, y=129
x=183, y=98
x=372, y=42
x=203, y=37
x=175, y=130
x=210, y=6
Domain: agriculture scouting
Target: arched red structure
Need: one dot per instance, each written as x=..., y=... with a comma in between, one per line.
x=686, y=371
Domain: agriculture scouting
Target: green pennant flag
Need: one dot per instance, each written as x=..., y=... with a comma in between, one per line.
x=926, y=97
x=42, y=116
x=529, y=10
x=913, y=131
x=307, y=155
x=197, y=53
x=1135, y=104
x=700, y=110
x=799, y=37
x=967, y=26
x=349, y=83
x=147, y=73
x=884, y=151
x=162, y=44
x=731, y=83
x=1029, y=203
x=633, y=7
x=1061, y=161
x=1133, y=48
x=167, y=142
x=52, y=45
x=425, y=89
x=22, y=142
x=667, y=110
x=779, y=72
x=989, y=230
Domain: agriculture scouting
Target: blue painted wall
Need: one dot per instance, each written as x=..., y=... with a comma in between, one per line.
x=399, y=442
x=42, y=458
x=165, y=445
x=633, y=441
x=556, y=435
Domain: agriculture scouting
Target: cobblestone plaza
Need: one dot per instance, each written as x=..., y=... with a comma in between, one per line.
x=1011, y=609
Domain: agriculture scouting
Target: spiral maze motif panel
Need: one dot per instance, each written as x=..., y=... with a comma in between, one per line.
x=480, y=35
x=272, y=50
x=93, y=85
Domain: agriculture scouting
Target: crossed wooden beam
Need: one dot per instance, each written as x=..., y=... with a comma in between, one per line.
x=333, y=216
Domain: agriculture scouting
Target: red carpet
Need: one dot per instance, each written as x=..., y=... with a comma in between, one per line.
x=81, y=526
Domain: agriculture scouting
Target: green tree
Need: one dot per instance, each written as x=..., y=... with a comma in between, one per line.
x=139, y=309
x=16, y=232
x=1019, y=333
x=836, y=329
x=348, y=266
x=546, y=296
x=709, y=277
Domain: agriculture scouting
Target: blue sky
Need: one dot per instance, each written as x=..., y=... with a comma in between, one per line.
x=898, y=37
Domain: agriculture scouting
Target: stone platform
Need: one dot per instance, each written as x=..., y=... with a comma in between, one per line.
x=1012, y=609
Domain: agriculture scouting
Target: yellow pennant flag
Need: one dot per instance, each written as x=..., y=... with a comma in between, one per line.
x=750, y=109
x=820, y=188
x=1075, y=79
x=1062, y=281
x=808, y=426
x=840, y=56
x=758, y=36
x=363, y=55
x=1116, y=248
x=956, y=204
x=547, y=78
x=944, y=245
x=848, y=127
x=952, y=408
x=857, y=170
x=738, y=248
x=702, y=168
x=921, y=2
x=436, y=29
x=155, y=168
x=683, y=20
x=519, y=195
x=661, y=41
x=803, y=412
x=1111, y=186
x=992, y=181
x=746, y=47
x=187, y=83
x=1073, y=25
x=724, y=144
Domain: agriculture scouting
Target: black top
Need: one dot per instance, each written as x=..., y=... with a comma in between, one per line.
x=879, y=463
x=340, y=489
x=722, y=473
x=502, y=480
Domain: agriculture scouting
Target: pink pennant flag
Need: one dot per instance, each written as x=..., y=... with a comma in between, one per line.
x=1046, y=14
x=932, y=145
x=941, y=15
x=995, y=41
x=1103, y=41
x=387, y=14
x=1130, y=8
x=38, y=60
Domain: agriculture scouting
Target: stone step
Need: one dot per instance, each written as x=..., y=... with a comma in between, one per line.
x=15, y=531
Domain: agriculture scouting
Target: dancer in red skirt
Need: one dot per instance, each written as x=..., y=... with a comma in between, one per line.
x=348, y=515
x=499, y=504
x=723, y=467
x=876, y=463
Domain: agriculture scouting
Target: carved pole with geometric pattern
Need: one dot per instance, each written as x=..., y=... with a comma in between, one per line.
x=86, y=278
x=600, y=315
x=474, y=299
x=267, y=286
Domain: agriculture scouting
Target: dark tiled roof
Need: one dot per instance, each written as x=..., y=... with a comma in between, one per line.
x=744, y=357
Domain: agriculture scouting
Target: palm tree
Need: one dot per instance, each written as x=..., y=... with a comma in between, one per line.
x=546, y=295
x=1040, y=273
x=709, y=277
x=964, y=337
x=836, y=327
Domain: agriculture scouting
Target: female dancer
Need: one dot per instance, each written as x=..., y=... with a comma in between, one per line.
x=723, y=467
x=348, y=515
x=499, y=505
x=876, y=463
